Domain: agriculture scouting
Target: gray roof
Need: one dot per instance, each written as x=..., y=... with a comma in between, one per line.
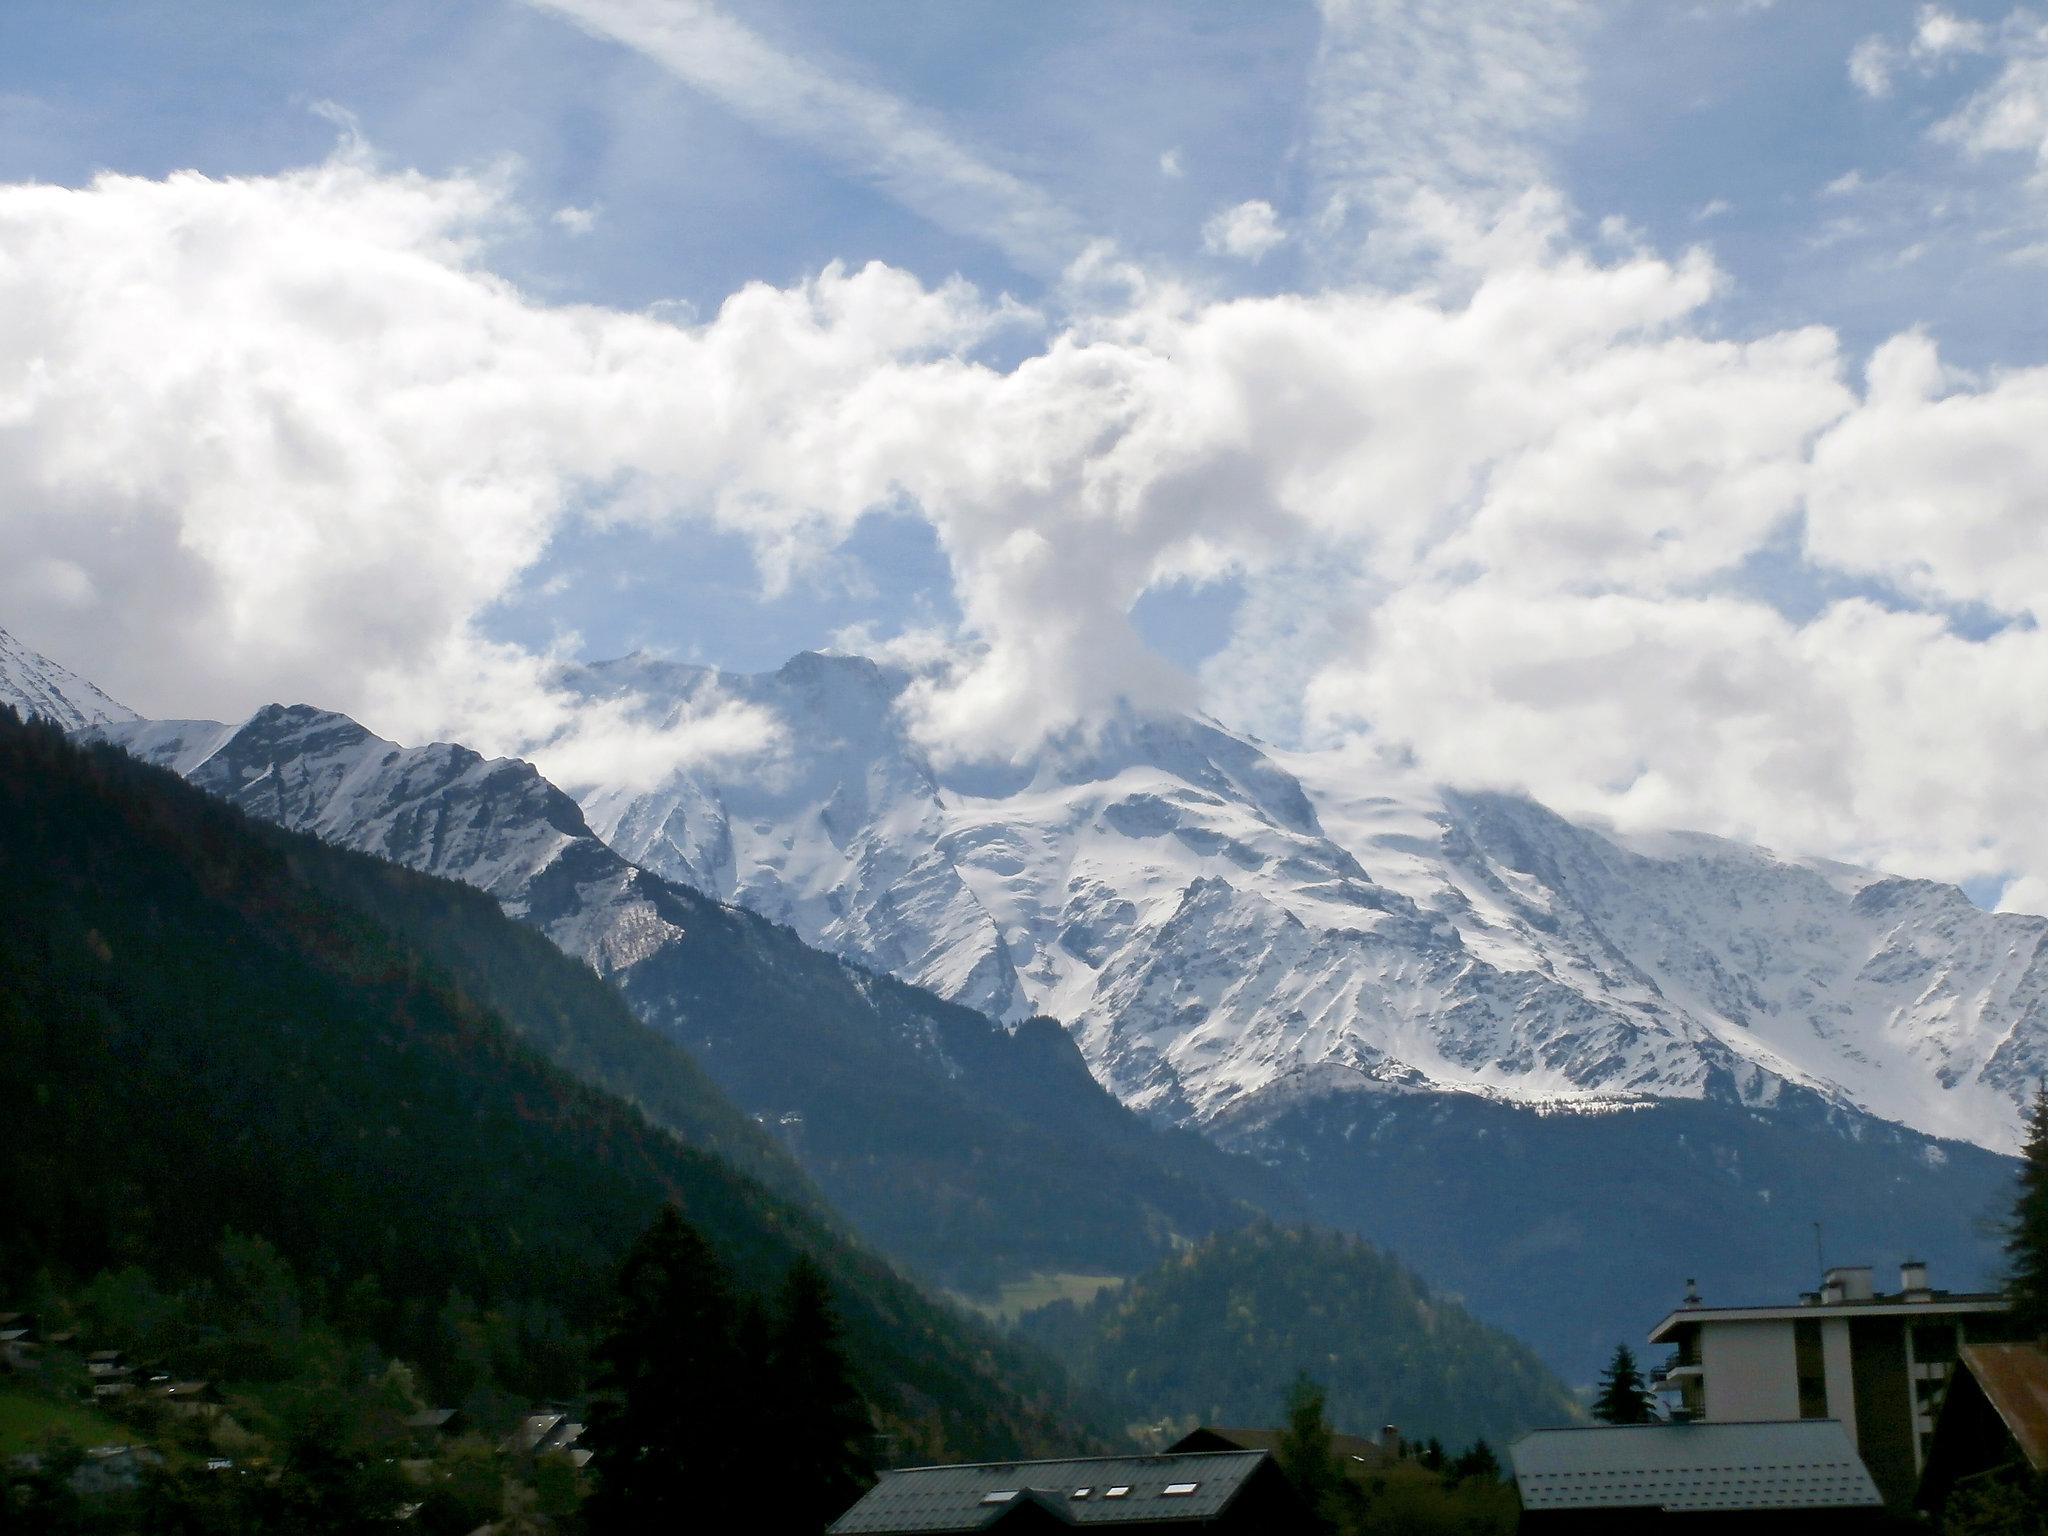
x=1797, y=1464
x=959, y=1498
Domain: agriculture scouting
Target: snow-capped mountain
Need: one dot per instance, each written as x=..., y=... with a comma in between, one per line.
x=1228, y=928
x=35, y=685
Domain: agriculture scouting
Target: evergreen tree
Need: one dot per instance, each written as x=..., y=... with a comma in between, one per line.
x=2026, y=1244
x=662, y=1419
x=820, y=1423
x=1479, y=1461
x=1305, y=1453
x=1623, y=1399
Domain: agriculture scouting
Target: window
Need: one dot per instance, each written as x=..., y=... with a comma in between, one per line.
x=1811, y=1367
x=1002, y=1497
x=1179, y=1490
x=1082, y=1493
x=1121, y=1491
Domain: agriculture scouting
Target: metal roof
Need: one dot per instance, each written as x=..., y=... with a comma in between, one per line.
x=1796, y=1464
x=2015, y=1382
x=959, y=1498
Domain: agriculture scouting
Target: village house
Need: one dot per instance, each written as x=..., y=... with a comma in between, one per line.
x=1875, y=1362
x=1993, y=1423
x=1169, y=1494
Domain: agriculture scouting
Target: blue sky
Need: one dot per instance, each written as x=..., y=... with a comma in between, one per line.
x=1609, y=284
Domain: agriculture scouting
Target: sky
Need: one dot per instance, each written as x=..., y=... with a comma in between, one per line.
x=1641, y=405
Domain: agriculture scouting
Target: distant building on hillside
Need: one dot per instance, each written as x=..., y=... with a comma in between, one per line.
x=1875, y=1362
x=1219, y=1492
x=1801, y=1476
x=1993, y=1422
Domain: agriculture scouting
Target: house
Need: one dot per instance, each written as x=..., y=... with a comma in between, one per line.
x=1875, y=1362
x=1993, y=1422
x=1356, y=1454
x=190, y=1399
x=1800, y=1475
x=545, y=1430
x=109, y=1374
x=1187, y=1492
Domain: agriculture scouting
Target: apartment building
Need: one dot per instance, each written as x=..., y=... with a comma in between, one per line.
x=1875, y=1361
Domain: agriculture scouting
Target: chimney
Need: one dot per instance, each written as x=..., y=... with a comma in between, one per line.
x=1851, y=1282
x=1390, y=1441
x=1692, y=1292
x=1913, y=1281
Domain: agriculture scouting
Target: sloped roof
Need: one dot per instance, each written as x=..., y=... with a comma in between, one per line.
x=2015, y=1382
x=961, y=1498
x=1796, y=1464
x=1344, y=1447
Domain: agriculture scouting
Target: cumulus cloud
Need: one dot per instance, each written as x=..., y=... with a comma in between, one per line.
x=292, y=438
x=1247, y=231
x=1938, y=38
x=2010, y=115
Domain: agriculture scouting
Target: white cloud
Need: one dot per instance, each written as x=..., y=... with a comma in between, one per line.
x=1713, y=208
x=2010, y=115
x=297, y=440
x=1247, y=231
x=1939, y=37
x=901, y=149
x=577, y=221
x=1170, y=166
x=1429, y=123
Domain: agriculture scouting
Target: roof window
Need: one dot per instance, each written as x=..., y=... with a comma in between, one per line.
x=1179, y=1490
x=1001, y=1496
x=1120, y=1491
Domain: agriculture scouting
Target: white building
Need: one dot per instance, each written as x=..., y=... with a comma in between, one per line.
x=1875, y=1362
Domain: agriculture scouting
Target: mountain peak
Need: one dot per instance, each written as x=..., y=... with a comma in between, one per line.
x=36, y=685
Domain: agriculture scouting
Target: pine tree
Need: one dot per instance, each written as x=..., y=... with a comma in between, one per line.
x=1305, y=1453
x=819, y=1423
x=1478, y=1461
x=2026, y=1243
x=1623, y=1397
x=663, y=1424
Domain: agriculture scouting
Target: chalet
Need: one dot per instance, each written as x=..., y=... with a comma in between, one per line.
x=1798, y=1476
x=109, y=1373
x=1355, y=1453
x=546, y=1430
x=1993, y=1424
x=1874, y=1362
x=190, y=1399
x=1170, y=1494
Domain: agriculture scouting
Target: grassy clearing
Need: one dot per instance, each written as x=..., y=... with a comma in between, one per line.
x=1036, y=1290
x=27, y=1415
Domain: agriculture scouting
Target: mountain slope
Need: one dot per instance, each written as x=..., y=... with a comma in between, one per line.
x=975, y=1153
x=32, y=684
x=201, y=1038
x=1219, y=923
x=1217, y=1334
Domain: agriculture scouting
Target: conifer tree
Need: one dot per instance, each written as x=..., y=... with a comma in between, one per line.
x=1623, y=1399
x=818, y=1420
x=663, y=1417
x=2026, y=1243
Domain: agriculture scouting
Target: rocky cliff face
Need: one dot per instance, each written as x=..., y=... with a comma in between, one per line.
x=1222, y=925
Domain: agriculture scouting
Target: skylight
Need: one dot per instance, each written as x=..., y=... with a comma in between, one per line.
x=1176, y=1490
x=1002, y=1496
x=1118, y=1492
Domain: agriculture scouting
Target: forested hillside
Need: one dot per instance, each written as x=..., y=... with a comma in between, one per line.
x=202, y=1038
x=1218, y=1335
